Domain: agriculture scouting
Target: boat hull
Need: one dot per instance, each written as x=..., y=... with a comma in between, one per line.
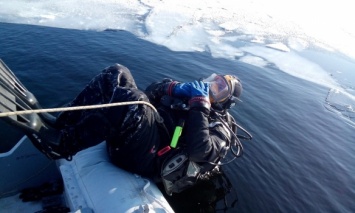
x=91, y=182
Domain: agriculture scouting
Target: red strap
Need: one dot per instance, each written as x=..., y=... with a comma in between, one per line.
x=171, y=87
x=164, y=150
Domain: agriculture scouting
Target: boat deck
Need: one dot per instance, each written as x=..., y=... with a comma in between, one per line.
x=15, y=204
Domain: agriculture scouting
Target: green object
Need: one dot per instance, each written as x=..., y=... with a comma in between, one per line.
x=176, y=136
x=177, y=133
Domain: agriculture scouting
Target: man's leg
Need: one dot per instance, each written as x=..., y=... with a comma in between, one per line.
x=98, y=91
x=136, y=139
x=86, y=128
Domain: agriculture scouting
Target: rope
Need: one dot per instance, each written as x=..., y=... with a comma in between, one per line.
x=5, y=114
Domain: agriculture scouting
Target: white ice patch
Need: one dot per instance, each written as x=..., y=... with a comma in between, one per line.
x=339, y=98
x=258, y=40
x=294, y=65
x=278, y=46
x=256, y=61
x=73, y=14
x=297, y=44
x=343, y=102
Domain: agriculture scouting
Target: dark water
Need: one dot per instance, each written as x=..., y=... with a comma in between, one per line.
x=302, y=157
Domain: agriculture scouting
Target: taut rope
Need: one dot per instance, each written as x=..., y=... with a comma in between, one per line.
x=60, y=109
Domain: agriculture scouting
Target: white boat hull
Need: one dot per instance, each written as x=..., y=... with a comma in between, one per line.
x=92, y=184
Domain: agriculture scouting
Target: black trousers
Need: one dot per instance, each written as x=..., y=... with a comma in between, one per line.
x=131, y=132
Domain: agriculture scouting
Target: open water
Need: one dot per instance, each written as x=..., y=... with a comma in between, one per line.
x=302, y=156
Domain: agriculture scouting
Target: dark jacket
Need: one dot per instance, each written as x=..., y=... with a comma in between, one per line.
x=203, y=137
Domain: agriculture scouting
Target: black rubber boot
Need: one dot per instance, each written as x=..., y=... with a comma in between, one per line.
x=89, y=132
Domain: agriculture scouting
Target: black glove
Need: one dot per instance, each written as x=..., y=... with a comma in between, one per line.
x=157, y=89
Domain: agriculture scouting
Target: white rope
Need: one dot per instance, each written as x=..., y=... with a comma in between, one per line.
x=61, y=109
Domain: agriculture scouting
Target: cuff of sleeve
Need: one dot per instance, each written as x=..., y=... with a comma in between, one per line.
x=170, y=88
x=200, y=102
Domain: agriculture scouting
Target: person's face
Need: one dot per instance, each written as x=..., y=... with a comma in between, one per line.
x=219, y=90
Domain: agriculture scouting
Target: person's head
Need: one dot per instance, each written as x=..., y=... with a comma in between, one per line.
x=225, y=90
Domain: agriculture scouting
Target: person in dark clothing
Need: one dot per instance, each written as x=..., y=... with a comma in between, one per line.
x=135, y=139
x=140, y=140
